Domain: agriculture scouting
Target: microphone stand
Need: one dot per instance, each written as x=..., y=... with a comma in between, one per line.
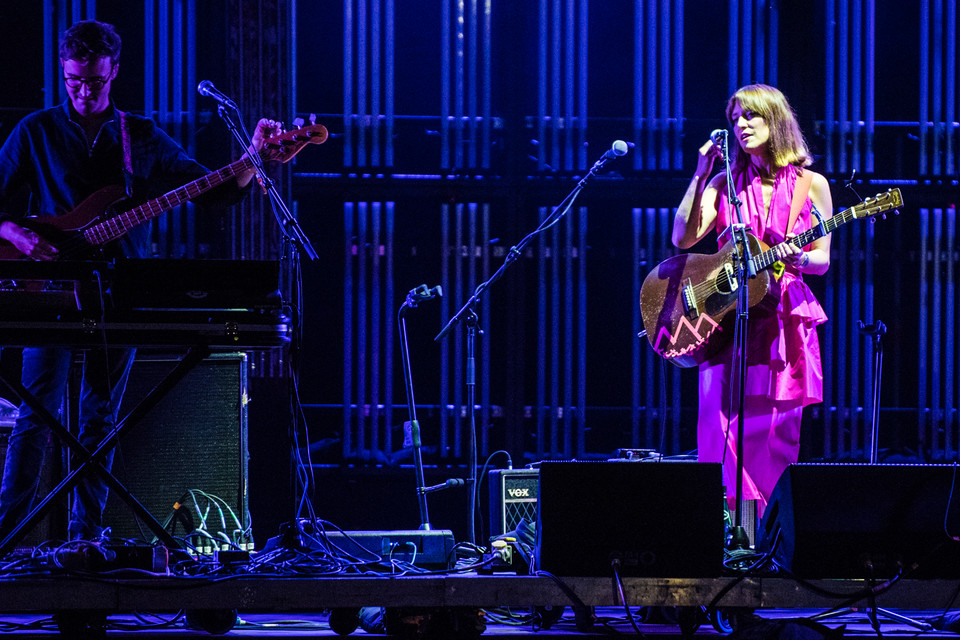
x=746, y=270
x=412, y=428
x=468, y=312
x=288, y=223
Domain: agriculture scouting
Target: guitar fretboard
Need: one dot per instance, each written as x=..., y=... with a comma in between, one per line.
x=829, y=225
x=120, y=224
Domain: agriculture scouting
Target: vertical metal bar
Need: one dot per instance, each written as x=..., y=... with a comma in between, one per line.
x=459, y=351
x=350, y=253
x=758, y=42
x=951, y=85
x=664, y=90
x=924, y=321
x=177, y=217
x=389, y=63
x=445, y=75
x=852, y=348
x=567, y=350
x=553, y=260
x=459, y=88
x=374, y=75
x=829, y=333
x=556, y=108
x=950, y=334
x=747, y=27
x=844, y=82
x=485, y=322
x=349, y=117
x=487, y=111
x=830, y=82
x=639, y=271
x=364, y=439
x=651, y=86
x=936, y=315
x=362, y=106
x=472, y=246
x=543, y=64
x=937, y=78
x=544, y=443
x=638, y=85
x=870, y=91
x=389, y=326
x=447, y=253
x=773, y=25
x=924, y=77
x=582, y=86
x=374, y=292
x=472, y=85
x=581, y=341
x=651, y=363
x=51, y=80
x=569, y=82
x=844, y=322
x=678, y=86
x=733, y=53
x=856, y=83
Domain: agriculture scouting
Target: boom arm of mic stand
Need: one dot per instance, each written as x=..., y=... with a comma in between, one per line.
x=288, y=224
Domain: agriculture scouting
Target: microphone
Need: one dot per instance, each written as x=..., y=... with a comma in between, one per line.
x=423, y=293
x=449, y=484
x=718, y=136
x=619, y=148
x=206, y=88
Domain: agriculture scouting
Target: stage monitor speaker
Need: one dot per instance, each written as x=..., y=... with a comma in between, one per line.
x=189, y=450
x=863, y=520
x=659, y=519
x=513, y=497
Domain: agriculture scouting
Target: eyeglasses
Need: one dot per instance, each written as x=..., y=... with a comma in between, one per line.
x=95, y=83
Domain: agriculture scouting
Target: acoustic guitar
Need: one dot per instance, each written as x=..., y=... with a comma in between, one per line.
x=689, y=302
x=81, y=233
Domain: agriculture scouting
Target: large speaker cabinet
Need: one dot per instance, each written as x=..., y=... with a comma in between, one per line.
x=862, y=521
x=189, y=450
x=653, y=519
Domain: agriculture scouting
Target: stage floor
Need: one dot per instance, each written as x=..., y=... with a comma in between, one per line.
x=610, y=621
x=291, y=607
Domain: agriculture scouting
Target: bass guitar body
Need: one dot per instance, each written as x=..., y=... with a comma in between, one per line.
x=689, y=303
x=66, y=232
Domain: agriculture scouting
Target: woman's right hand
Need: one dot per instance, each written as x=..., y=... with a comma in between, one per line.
x=708, y=154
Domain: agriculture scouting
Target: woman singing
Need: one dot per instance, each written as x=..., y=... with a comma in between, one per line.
x=784, y=372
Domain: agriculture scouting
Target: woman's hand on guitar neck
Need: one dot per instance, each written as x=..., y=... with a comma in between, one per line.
x=27, y=241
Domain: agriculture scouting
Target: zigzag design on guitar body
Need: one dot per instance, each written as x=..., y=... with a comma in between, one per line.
x=699, y=339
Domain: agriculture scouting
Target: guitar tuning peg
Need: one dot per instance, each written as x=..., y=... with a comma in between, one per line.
x=298, y=122
x=313, y=119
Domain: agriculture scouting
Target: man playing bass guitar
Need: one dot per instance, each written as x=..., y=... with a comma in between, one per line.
x=61, y=156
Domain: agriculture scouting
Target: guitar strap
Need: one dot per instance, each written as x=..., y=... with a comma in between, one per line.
x=800, y=190
x=127, y=154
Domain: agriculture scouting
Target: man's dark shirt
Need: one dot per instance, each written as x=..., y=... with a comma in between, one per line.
x=48, y=153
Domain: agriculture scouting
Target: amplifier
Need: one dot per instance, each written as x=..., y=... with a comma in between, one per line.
x=513, y=497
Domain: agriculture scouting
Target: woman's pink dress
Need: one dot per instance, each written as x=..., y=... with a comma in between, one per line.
x=784, y=372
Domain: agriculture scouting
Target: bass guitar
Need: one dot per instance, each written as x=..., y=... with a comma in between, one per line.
x=81, y=233
x=688, y=302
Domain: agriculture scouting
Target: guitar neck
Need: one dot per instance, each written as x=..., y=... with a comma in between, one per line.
x=120, y=224
x=769, y=257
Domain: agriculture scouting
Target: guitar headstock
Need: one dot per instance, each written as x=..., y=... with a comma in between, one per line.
x=889, y=199
x=282, y=147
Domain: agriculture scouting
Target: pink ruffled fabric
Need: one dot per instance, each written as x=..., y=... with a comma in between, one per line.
x=784, y=369
x=796, y=371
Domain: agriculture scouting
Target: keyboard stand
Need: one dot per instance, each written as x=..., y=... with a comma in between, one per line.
x=92, y=461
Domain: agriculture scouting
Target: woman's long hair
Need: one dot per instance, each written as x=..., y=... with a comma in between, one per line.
x=787, y=145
